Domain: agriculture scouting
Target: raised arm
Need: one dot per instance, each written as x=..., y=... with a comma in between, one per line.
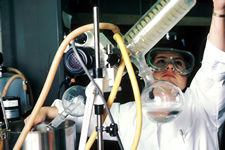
x=217, y=29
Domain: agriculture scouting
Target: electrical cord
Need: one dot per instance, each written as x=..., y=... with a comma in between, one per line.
x=98, y=89
x=93, y=81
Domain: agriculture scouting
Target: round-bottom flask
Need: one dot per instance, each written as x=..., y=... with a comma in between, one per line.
x=162, y=102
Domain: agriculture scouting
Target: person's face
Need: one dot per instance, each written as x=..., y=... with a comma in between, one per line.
x=170, y=73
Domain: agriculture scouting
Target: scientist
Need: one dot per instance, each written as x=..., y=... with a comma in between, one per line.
x=201, y=120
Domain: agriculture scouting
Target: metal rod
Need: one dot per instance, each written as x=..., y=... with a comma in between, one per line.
x=96, y=35
x=99, y=111
x=100, y=130
x=3, y=111
x=97, y=66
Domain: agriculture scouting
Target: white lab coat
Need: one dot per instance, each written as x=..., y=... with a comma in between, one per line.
x=199, y=124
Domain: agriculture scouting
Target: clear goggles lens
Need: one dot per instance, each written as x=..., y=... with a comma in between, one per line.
x=159, y=58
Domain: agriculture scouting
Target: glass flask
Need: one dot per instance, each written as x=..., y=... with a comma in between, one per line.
x=74, y=100
x=162, y=102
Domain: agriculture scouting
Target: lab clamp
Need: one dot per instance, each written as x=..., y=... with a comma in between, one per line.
x=152, y=26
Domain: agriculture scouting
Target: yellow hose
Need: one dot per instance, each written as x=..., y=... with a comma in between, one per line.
x=14, y=70
x=52, y=73
x=135, y=88
x=26, y=86
x=110, y=101
x=5, y=90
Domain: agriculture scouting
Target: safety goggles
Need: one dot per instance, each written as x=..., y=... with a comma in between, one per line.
x=159, y=58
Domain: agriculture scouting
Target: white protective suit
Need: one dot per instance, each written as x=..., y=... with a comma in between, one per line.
x=199, y=124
